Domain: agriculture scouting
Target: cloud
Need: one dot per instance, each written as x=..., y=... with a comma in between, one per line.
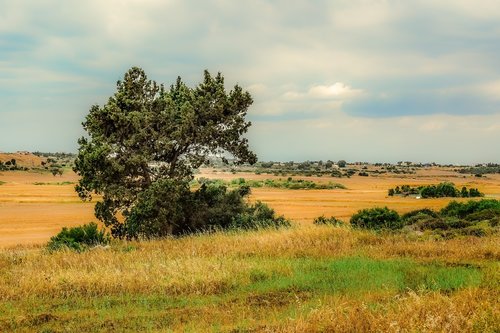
x=357, y=68
x=336, y=90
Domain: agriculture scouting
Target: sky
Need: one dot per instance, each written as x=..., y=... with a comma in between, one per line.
x=359, y=80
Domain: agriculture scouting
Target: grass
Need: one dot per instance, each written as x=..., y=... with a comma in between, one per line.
x=54, y=183
x=2, y=182
x=303, y=279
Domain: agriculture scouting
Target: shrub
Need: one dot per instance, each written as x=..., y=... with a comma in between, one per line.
x=473, y=218
x=377, y=218
x=445, y=189
x=78, y=238
x=424, y=211
x=322, y=220
x=168, y=208
x=462, y=210
x=258, y=216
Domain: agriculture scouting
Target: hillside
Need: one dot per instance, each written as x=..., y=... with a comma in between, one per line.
x=23, y=159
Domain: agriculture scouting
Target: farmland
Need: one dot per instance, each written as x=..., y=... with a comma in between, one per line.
x=306, y=278
x=35, y=205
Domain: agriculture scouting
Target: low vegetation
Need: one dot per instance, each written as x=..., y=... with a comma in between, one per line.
x=377, y=218
x=479, y=170
x=54, y=183
x=445, y=189
x=289, y=183
x=300, y=279
x=473, y=218
x=79, y=238
x=322, y=220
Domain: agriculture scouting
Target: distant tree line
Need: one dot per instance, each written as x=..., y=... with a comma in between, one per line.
x=479, y=170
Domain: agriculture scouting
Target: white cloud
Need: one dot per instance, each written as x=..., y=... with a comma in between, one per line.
x=336, y=90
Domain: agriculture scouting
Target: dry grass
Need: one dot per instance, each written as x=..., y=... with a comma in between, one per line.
x=235, y=281
x=263, y=281
x=31, y=214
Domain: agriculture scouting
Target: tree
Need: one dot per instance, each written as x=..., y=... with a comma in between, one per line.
x=147, y=135
x=342, y=164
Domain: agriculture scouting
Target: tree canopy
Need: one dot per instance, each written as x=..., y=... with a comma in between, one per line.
x=146, y=134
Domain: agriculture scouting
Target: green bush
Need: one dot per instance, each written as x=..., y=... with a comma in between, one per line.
x=322, y=220
x=445, y=189
x=473, y=218
x=258, y=216
x=167, y=208
x=462, y=210
x=377, y=218
x=424, y=211
x=79, y=238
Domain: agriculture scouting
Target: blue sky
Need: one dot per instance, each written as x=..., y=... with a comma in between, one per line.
x=358, y=80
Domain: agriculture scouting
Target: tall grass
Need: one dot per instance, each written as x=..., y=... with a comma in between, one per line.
x=309, y=278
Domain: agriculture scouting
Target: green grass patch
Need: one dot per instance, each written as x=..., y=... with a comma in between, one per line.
x=2, y=182
x=358, y=275
x=54, y=183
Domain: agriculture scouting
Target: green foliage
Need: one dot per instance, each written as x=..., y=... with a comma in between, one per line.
x=146, y=135
x=445, y=189
x=462, y=210
x=55, y=183
x=377, y=218
x=79, y=238
x=170, y=208
x=2, y=182
x=322, y=220
x=473, y=218
x=289, y=183
x=480, y=170
x=258, y=216
x=424, y=211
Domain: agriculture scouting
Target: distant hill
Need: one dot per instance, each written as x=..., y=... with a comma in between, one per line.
x=23, y=159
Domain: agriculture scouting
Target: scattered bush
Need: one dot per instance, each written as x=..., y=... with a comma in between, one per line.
x=289, y=183
x=377, y=218
x=322, y=220
x=79, y=238
x=462, y=210
x=445, y=189
x=473, y=218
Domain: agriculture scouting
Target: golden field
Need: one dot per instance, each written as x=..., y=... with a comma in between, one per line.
x=31, y=214
x=306, y=278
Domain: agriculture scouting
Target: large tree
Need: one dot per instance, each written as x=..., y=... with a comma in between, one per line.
x=147, y=135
